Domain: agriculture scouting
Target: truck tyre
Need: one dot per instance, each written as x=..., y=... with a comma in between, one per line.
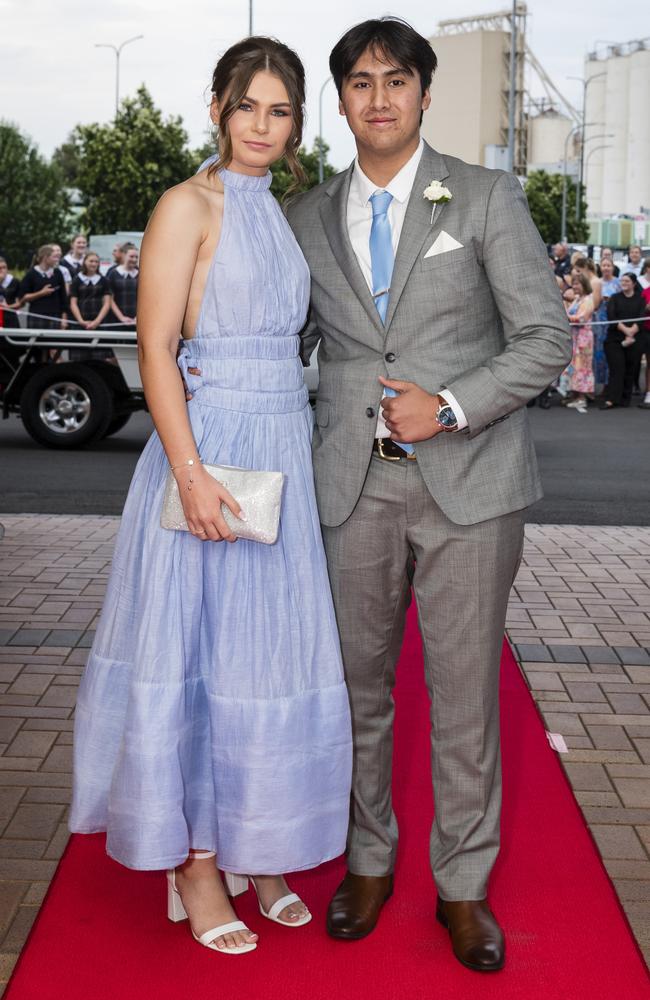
x=117, y=423
x=66, y=406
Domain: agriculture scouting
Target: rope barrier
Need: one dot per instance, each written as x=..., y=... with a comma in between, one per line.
x=612, y=322
x=117, y=326
x=69, y=321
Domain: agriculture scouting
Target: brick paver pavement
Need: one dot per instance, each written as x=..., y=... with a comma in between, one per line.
x=579, y=618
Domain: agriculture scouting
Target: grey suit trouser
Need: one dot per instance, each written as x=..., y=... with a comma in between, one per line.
x=462, y=576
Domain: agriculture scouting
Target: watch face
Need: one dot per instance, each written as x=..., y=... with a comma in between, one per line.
x=446, y=416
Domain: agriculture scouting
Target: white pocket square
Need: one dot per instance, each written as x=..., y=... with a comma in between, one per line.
x=443, y=243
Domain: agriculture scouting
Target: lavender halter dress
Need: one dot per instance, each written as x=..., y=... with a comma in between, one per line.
x=213, y=712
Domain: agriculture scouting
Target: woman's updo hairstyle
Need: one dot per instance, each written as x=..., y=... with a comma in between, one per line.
x=230, y=82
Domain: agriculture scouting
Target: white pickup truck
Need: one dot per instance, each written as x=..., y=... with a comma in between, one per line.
x=67, y=404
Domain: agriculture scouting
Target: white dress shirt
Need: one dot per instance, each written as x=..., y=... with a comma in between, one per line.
x=359, y=220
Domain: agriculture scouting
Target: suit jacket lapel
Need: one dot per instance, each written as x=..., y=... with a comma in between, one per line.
x=417, y=225
x=333, y=213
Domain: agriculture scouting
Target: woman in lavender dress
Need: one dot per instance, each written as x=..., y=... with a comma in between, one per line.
x=213, y=717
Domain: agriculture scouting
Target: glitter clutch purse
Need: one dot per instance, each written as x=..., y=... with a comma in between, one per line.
x=259, y=495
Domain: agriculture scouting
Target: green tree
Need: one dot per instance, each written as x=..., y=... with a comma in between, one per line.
x=201, y=153
x=66, y=157
x=124, y=167
x=544, y=193
x=283, y=180
x=33, y=203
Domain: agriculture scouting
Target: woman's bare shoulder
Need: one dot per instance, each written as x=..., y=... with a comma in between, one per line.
x=184, y=210
x=193, y=195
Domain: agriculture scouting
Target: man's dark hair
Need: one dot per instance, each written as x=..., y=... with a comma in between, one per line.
x=390, y=38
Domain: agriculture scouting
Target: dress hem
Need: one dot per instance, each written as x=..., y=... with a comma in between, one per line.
x=173, y=862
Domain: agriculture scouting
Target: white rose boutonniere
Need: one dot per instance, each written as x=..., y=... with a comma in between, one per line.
x=437, y=194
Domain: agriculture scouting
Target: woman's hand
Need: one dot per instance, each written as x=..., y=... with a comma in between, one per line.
x=202, y=504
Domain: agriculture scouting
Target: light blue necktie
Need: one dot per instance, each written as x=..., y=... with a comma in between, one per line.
x=381, y=262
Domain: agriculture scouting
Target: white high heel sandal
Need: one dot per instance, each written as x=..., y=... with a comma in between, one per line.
x=237, y=884
x=176, y=912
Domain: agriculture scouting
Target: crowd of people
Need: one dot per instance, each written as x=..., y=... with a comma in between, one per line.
x=607, y=306
x=73, y=290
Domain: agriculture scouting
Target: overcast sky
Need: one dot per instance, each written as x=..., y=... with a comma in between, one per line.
x=52, y=77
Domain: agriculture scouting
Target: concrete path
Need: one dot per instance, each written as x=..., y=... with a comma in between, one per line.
x=579, y=617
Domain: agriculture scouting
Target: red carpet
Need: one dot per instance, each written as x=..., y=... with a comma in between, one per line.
x=103, y=935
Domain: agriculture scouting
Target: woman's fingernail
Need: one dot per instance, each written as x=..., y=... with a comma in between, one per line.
x=242, y=516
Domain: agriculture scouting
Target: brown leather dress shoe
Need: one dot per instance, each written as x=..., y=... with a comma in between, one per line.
x=476, y=938
x=355, y=908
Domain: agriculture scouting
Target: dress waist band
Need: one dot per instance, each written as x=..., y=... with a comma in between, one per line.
x=271, y=348
x=248, y=401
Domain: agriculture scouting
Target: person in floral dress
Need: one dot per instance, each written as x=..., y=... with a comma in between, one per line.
x=578, y=376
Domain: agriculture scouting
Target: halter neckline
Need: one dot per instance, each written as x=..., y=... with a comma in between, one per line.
x=246, y=182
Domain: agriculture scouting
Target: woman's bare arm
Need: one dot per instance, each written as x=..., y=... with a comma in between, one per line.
x=170, y=247
x=74, y=309
x=596, y=292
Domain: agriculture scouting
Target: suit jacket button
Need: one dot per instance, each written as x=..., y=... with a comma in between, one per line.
x=370, y=412
x=390, y=357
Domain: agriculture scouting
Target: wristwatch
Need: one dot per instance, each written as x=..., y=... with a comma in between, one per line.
x=445, y=416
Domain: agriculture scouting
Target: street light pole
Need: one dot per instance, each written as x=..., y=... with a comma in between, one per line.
x=574, y=131
x=321, y=157
x=591, y=153
x=585, y=83
x=250, y=17
x=117, y=49
x=591, y=138
x=512, y=96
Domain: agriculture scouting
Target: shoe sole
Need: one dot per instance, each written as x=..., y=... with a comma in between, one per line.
x=468, y=965
x=355, y=935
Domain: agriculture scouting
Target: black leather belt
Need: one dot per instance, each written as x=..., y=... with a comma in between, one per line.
x=390, y=451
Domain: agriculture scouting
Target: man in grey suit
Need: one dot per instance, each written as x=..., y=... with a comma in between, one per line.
x=438, y=319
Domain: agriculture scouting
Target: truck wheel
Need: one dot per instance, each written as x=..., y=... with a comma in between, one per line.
x=117, y=423
x=66, y=406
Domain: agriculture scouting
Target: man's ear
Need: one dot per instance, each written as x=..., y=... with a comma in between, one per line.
x=341, y=108
x=426, y=99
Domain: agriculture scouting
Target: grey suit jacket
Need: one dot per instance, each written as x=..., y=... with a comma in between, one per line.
x=486, y=321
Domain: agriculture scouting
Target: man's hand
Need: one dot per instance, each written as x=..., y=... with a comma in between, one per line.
x=411, y=415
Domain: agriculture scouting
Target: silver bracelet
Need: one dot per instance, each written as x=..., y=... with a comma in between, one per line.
x=191, y=463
